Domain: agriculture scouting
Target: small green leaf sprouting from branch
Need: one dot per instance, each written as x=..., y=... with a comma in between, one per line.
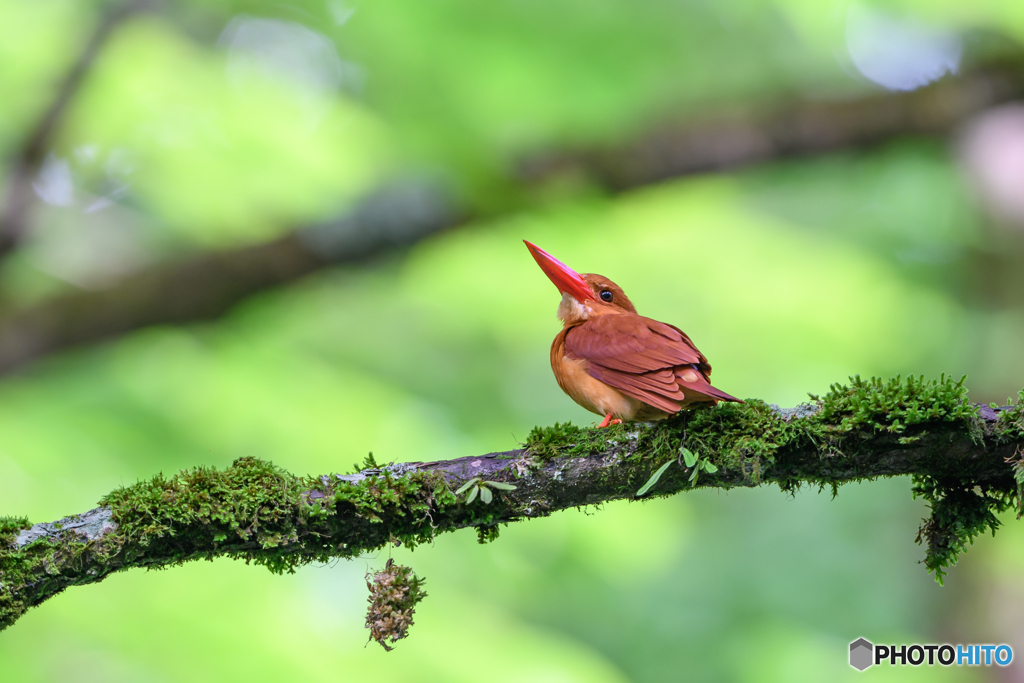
x=653, y=480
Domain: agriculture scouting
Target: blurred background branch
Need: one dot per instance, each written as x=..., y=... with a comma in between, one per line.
x=728, y=140
x=24, y=166
x=207, y=285
x=204, y=286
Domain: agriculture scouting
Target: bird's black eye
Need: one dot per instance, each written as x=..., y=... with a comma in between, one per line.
x=606, y=295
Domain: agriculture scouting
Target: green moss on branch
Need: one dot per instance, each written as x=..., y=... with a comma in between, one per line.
x=861, y=430
x=965, y=460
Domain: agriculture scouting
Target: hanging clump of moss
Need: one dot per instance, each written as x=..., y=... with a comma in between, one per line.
x=394, y=594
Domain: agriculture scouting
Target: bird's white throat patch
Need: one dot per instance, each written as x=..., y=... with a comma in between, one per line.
x=570, y=310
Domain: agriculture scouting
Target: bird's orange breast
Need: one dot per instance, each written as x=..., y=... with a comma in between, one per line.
x=593, y=394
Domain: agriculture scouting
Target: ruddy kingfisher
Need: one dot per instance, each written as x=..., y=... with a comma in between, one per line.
x=615, y=362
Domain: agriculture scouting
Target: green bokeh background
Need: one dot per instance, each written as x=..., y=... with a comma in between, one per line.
x=789, y=276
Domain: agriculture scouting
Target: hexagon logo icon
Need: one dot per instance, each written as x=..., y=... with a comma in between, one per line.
x=862, y=654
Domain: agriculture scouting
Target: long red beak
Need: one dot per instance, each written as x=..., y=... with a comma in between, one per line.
x=565, y=278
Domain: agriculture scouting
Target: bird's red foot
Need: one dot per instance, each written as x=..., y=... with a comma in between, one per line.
x=609, y=421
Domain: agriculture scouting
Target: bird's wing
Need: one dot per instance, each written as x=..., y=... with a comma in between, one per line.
x=643, y=358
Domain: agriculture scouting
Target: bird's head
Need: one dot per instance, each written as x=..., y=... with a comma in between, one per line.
x=584, y=296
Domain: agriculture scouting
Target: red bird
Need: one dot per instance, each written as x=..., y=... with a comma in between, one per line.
x=615, y=362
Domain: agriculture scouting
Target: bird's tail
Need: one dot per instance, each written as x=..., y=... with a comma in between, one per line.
x=719, y=394
x=700, y=390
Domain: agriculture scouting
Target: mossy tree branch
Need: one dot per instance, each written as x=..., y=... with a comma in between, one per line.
x=964, y=458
